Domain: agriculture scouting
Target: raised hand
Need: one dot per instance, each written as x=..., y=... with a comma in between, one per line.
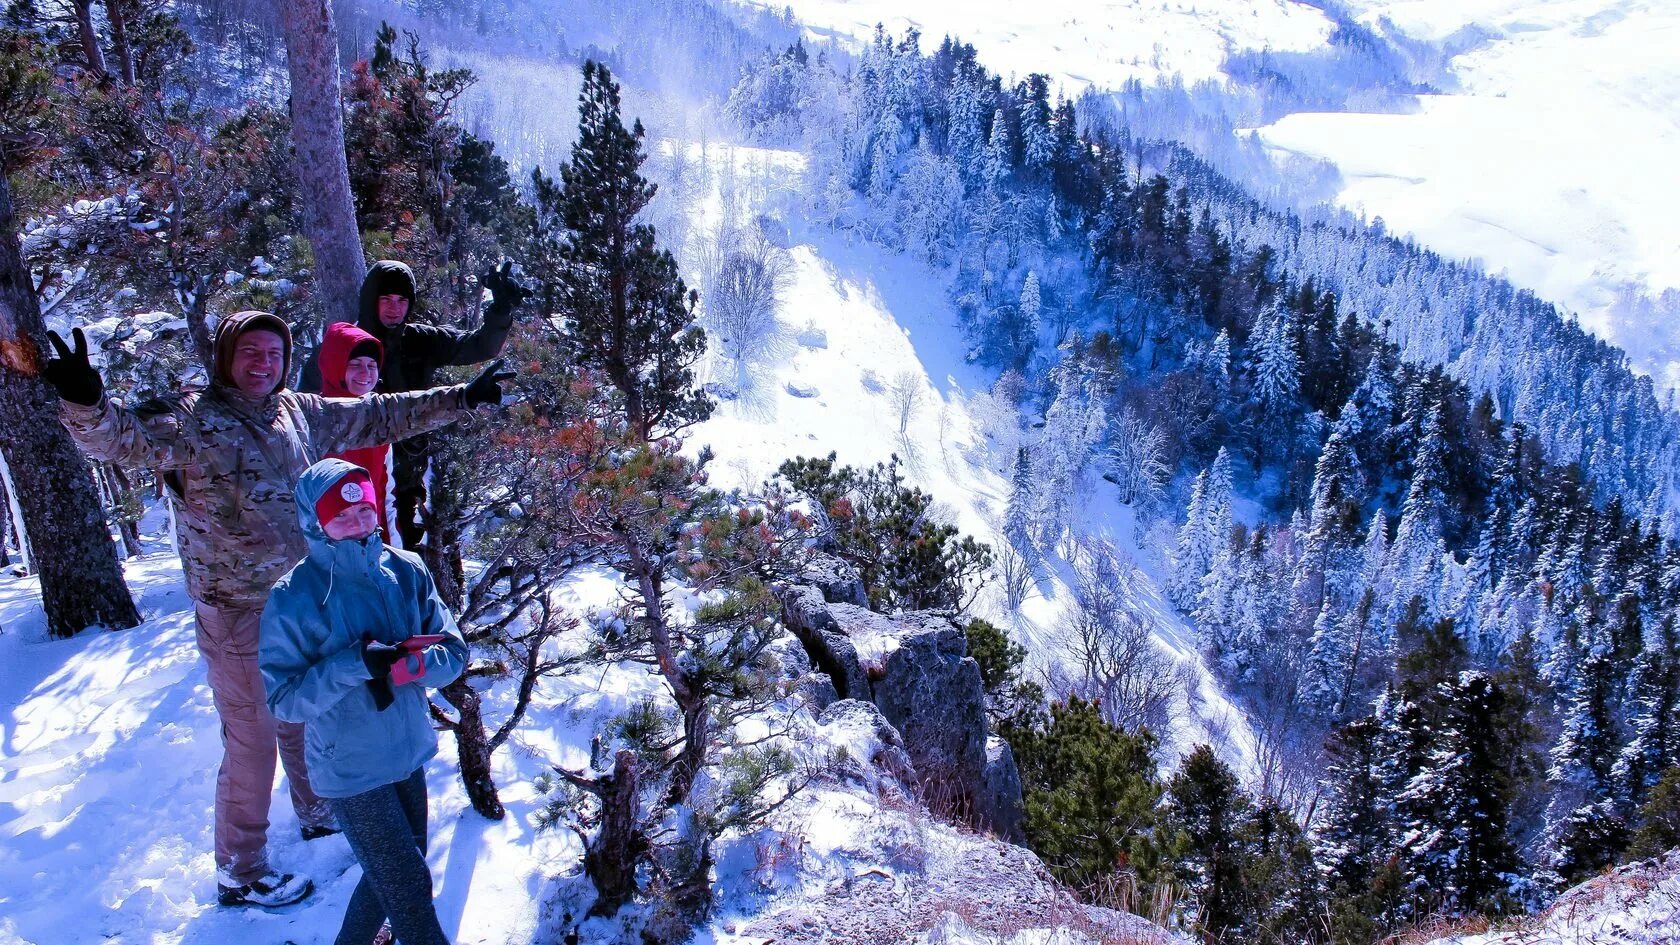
x=71, y=372
x=507, y=291
x=486, y=388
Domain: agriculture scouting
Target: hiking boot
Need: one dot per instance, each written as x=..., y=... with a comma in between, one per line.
x=270, y=889
x=316, y=833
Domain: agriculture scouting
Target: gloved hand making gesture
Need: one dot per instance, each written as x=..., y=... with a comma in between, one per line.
x=486, y=387
x=72, y=373
x=506, y=291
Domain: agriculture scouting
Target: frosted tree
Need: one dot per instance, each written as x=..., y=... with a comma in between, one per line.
x=1193, y=555
x=907, y=395
x=1038, y=139
x=1353, y=834
x=1417, y=542
x=1655, y=704
x=1137, y=461
x=745, y=293
x=1018, y=511
x=1031, y=313
x=1455, y=811
x=996, y=162
x=930, y=208
x=1276, y=367
x=966, y=140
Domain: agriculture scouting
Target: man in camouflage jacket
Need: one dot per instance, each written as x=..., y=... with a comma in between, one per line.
x=230, y=456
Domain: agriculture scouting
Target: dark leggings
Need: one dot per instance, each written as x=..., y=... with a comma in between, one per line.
x=386, y=828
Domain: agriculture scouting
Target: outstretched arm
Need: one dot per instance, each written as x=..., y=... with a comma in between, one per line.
x=104, y=428
x=342, y=424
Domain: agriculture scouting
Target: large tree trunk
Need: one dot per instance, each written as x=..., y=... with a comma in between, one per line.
x=93, y=56
x=81, y=582
x=117, y=14
x=610, y=861
x=329, y=212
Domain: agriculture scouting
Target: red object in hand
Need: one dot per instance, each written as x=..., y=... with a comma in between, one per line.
x=412, y=666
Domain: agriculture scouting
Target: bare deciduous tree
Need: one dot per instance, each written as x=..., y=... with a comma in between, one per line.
x=906, y=396
x=746, y=291
x=1114, y=658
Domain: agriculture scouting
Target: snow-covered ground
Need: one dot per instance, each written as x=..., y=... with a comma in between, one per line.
x=1080, y=43
x=1552, y=163
x=1635, y=905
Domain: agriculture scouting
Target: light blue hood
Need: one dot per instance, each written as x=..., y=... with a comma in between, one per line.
x=311, y=650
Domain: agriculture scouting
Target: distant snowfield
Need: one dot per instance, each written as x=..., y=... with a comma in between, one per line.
x=1555, y=164
x=1080, y=43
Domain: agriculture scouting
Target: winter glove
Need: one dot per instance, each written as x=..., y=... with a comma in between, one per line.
x=486, y=388
x=506, y=291
x=72, y=373
x=379, y=658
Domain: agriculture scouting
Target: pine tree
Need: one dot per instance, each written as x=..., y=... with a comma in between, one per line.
x=1194, y=554
x=1038, y=139
x=1281, y=883
x=627, y=311
x=1455, y=810
x=1655, y=746
x=1090, y=792
x=1418, y=545
x=1354, y=835
x=997, y=160
x=1031, y=315
x=1206, y=806
x=1018, y=512
x=1277, y=377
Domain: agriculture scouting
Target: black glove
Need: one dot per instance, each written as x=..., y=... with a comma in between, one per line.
x=486, y=388
x=506, y=291
x=379, y=658
x=72, y=373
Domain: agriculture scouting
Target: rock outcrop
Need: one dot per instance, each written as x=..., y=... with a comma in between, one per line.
x=915, y=668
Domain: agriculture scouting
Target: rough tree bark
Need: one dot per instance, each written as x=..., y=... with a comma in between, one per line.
x=94, y=56
x=81, y=581
x=117, y=15
x=329, y=212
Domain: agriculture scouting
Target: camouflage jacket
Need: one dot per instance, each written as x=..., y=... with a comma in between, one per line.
x=231, y=462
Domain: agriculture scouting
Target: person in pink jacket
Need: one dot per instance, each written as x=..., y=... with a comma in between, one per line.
x=350, y=362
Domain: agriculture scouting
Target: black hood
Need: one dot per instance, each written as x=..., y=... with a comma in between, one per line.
x=386, y=277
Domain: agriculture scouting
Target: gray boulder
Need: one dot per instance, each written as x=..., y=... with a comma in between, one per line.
x=838, y=581
x=930, y=691
x=998, y=805
x=830, y=649
x=887, y=754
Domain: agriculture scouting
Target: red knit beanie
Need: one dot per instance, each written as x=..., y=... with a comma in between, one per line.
x=352, y=488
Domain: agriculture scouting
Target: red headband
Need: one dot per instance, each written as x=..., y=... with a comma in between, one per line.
x=353, y=488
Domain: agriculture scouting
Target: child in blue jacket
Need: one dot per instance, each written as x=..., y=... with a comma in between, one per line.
x=331, y=633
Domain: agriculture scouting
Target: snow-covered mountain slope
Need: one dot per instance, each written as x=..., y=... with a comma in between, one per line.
x=1081, y=43
x=1551, y=164
x=1635, y=905
x=857, y=324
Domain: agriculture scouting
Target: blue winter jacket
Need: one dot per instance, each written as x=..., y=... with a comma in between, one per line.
x=311, y=656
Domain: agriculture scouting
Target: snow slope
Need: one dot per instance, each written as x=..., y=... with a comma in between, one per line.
x=1080, y=43
x=1635, y=905
x=885, y=318
x=1551, y=164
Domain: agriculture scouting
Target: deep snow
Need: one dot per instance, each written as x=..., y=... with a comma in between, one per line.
x=1552, y=163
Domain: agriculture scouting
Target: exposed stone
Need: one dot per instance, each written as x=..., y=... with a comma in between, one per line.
x=814, y=687
x=931, y=692
x=838, y=581
x=998, y=805
x=886, y=754
x=873, y=636
x=808, y=616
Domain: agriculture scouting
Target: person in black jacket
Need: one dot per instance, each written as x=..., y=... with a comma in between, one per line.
x=414, y=352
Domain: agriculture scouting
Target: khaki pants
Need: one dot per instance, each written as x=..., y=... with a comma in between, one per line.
x=228, y=639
